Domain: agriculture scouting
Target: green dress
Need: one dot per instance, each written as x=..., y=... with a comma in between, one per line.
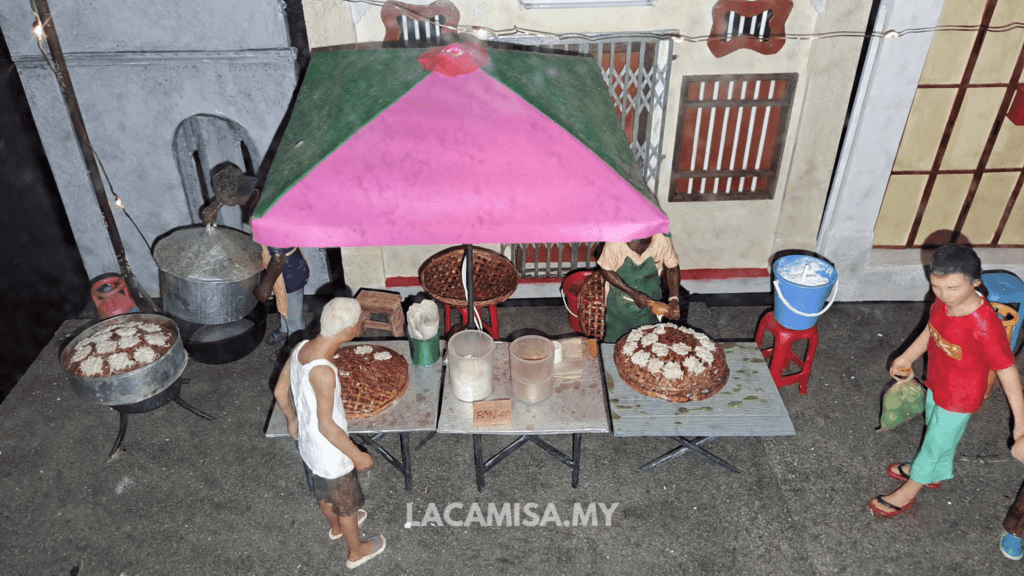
x=621, y=315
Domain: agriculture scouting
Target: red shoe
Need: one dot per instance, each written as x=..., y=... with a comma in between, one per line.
x=896, y=510
x=896, y=472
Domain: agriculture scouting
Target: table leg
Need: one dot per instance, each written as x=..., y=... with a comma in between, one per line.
x=406, y=459
x=689, y=446
x=483, y=467
x=427, y=439
x=577, y=451
x=478, y=461
x=404, y=465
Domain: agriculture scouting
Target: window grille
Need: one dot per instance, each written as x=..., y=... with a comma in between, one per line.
x=636, y=71
x=550, y=260
x=730, y=136
x=407, y=25
x=415, y=31
x=758, y=25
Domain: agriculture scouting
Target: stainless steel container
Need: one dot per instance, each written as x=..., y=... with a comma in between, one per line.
x=208, y=274
x=134, y=386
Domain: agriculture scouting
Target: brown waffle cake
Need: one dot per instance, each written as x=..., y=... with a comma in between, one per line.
x=119, y=348
x=671, y=362
x=372, y=378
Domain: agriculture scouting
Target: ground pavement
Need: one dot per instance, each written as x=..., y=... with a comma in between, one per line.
x=188, y=496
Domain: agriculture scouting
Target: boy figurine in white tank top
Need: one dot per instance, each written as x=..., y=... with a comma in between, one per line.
x=309, y=394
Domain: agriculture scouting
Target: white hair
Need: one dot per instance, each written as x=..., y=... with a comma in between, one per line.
x=339, y=314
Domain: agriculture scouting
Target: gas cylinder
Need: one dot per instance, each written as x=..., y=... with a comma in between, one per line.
x=112, y=298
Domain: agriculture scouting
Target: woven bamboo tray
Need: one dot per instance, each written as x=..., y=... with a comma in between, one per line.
x=591, y=306
x=494, y=277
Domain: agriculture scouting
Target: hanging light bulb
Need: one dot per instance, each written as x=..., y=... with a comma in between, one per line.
x=892, y=34
x=38, y=30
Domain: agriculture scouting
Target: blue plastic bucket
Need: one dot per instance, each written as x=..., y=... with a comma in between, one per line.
x=802, y=284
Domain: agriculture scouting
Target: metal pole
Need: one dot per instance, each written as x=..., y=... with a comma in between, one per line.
x=71, y=101
x=471, y=323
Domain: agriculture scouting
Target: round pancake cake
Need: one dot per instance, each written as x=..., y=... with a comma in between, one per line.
x=372, y=377
x=119, y=348
x=671, y=362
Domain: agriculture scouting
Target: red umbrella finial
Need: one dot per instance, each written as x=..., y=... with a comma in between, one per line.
x=454, y=59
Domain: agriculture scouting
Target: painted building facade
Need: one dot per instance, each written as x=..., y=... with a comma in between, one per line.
x=753, y=143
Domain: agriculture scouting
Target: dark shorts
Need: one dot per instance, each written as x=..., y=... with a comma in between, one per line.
x=344, y=494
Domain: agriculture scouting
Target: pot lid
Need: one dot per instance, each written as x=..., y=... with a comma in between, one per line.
x=209, y=254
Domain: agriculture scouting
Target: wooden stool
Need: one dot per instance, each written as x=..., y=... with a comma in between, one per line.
x=490, y=327
x=782, y=354
x=387, y=304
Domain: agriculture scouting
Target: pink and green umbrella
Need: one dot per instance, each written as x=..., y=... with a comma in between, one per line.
x=400, y=147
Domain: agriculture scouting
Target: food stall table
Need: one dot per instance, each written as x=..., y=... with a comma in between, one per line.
x=576, y=406
x=749, y=405
x=414, y=411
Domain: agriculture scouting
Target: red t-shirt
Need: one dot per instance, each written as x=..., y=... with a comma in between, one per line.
x=961, y=351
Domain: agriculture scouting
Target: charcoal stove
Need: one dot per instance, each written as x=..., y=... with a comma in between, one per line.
x=170, y=394
x=223, y=343
x=136, y=390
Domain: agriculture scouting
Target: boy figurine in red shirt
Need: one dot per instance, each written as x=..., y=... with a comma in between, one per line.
x=964, y=340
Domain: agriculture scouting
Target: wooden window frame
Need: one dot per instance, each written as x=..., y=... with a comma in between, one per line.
x=769, y=115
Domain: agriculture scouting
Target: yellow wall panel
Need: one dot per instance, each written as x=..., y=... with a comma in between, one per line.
x=949, y=51
x=899, y=206
x=1013, y=234
x=988, y=206
x=1009, y=149
x=972, y=128
x=998, y=55
x=924, y=128
x=944, y=204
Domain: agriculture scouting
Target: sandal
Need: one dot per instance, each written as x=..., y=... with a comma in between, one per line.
x=381, y=544
x=896, y=472
x=896, y=510
x=360, y=518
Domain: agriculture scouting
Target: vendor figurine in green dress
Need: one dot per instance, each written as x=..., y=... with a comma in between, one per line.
x=633, y=295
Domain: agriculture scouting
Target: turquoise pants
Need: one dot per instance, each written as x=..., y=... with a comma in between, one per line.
x=934, y=461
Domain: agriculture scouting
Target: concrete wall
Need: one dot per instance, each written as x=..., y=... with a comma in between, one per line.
x=139, y=69
x=720, y=235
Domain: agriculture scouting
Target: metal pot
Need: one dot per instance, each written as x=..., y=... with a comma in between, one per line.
x=129, y=387
x=208, y=274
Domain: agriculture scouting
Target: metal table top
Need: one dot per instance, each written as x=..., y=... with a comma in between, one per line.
x=414, y=411
x=575, y=405
x=749, y=405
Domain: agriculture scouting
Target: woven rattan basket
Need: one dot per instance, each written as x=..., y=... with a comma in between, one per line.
x=591, y=306
x=494, y=277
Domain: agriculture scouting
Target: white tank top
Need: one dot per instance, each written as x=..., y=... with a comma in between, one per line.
x=322, y=457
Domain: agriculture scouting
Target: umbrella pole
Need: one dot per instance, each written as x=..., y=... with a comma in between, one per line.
x=471, y=323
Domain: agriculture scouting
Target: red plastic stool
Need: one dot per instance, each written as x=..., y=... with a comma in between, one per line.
x=492, y=310
x=782, y=354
